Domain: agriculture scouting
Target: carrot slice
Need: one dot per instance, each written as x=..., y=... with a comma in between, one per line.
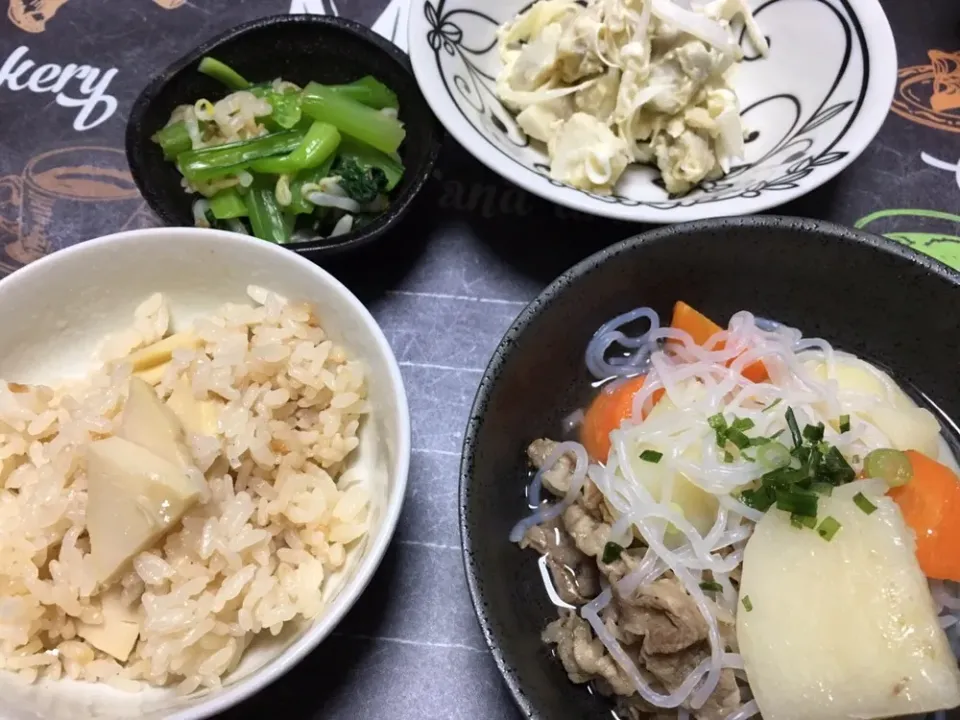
x=699, y=326
x=605, y=414
x=930, y=504
x=701, y=329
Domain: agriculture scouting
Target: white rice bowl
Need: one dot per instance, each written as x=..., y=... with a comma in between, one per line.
x=243, y=554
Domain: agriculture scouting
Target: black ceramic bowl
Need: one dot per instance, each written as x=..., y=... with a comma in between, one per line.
x=865, y=294
x=299, y=48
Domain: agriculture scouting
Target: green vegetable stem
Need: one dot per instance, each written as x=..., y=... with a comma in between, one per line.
x=214, y=162
x=368, y=91
x=352, y=118
x=318, y=144
x=298, y=204
x=227, y=204
x=285, y=108
x=266, y=218
x=173, y=139
x=223, y=73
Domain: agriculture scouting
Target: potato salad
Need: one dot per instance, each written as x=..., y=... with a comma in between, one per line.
x=615, y=82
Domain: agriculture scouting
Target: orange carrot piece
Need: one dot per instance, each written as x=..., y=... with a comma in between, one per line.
x=699, y=326
x=930, y=504
x=608, y=409
x=701, y=329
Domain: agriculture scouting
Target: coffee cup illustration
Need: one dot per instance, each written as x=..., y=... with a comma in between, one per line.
x=32, y=15
x=68, y=185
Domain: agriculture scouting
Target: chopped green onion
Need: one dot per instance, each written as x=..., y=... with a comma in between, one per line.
x=758, y=441
x=822, y=488
x=717, y=422
x=727, y=456
x=864, y=504
x=794, y=428
x=828, y=528
x=800, y=503
x=844, y=423
x=814, y=457
x=747, y=605
x=611, y=552
x=742, y=424
x=738, y=438
x=891, y=466
x=772, y=405
x=710, y=586
x=760, y=499
x=773, y=455
x=837, y=468
x=651, y=456
x=813, y=433
x=803, y=521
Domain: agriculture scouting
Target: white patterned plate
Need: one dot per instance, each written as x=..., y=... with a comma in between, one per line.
x=811, y=106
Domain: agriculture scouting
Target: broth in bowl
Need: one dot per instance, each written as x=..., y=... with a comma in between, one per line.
x=724, y=483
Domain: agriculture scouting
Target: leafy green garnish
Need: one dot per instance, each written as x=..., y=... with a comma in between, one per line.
x=799, y=476
x=361, y=183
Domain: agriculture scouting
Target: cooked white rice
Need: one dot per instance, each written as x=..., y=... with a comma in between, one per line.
x=279, y=514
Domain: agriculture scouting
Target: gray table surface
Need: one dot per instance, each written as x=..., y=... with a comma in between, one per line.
x=444, y=288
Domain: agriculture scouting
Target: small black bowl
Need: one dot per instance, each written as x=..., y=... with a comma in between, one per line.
x=299, y=48
x=863, y=293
